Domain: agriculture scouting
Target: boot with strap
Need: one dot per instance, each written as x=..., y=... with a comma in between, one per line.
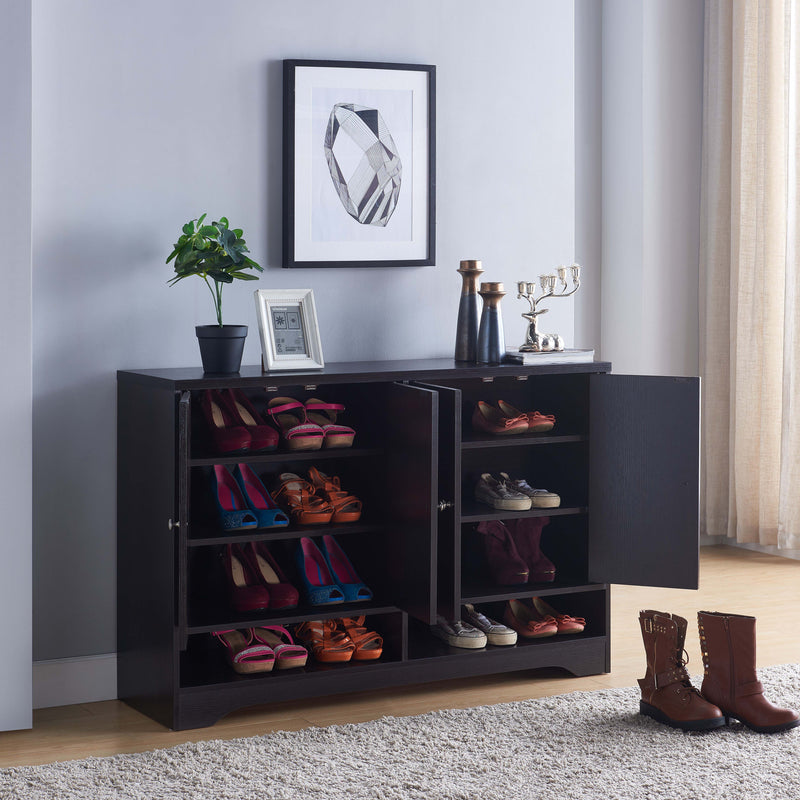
x=667, y=693
x=728, y=642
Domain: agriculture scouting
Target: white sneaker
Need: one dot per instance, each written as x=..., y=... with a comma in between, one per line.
x=458, y=634
x=540, y=498
x=496, y=632
x=496, y=494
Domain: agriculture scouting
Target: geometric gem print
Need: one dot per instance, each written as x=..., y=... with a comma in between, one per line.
x=370, y=194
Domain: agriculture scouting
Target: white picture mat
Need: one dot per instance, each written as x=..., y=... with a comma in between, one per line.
x=265, y=300
x=310, y=165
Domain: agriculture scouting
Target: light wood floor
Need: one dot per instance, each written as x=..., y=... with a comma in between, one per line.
x=731, y=580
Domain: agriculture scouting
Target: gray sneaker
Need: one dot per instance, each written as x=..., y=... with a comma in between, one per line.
x=458, y=634
x=500, y=496
x=540, y=498
x=496, y=632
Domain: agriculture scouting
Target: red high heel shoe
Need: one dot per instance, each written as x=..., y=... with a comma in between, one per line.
x=247, y=593
x=228, y=437
x=281, y=593
x=264, y=438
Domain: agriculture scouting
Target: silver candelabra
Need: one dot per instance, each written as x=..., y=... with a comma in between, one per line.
x=536, y=342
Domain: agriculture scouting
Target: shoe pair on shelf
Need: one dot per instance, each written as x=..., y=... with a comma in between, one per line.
x=337, y=640
x=539, y=620
x=327, y=574
x=474, y=631
x=242, y=501
x=235, y=425
x=310, y=425
x=505, y=420
x=513, y=494
x=255, y=579
x=260, y=649
x=513, y=551
x=316, y=501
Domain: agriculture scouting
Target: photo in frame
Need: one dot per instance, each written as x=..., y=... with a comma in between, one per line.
x=359, y=164
x=287, y=324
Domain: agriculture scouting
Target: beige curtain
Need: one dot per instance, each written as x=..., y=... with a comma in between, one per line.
x=750, y=322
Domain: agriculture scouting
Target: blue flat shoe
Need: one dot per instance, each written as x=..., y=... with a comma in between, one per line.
x=234, y=515
x=320, y=587
x=258, y=499
x=343, y=573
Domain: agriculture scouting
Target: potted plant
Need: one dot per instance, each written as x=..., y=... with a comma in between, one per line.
x=216, y=253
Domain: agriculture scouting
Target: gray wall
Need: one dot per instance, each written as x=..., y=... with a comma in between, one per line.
x=15, y=336
x=652, y=87
x=149, y=113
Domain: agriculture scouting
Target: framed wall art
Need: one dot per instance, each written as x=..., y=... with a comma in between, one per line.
x=287, y=323
x=359, y=164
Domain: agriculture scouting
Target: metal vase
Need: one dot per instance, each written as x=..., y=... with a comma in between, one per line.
x=468, y=313
x=491, y=340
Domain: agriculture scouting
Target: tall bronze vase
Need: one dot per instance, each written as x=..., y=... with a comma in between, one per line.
x=468, y=314
x=491, y=340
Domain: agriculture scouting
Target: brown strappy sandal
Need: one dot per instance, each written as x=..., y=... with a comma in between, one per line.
x=328, y=644
x=346, y=507
x=299, y=498
x=369, y=644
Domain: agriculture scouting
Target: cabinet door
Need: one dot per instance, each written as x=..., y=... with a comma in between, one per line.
x=184, y=489
x=412, y=495
x=644, y=480
x=449, y=505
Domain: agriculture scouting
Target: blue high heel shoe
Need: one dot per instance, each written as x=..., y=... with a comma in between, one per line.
x=320, y=587
x=258, y=499
x=355, y=590
x=234, y=515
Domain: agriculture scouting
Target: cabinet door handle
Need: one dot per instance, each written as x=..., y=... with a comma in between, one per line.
x=444, y=505
x=171, y=524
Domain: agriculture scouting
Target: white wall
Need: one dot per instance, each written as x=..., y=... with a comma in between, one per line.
x=15, y=336
x=652, y=85
x=149, y=113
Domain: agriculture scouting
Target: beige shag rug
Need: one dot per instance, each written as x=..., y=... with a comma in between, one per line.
x=580, y=746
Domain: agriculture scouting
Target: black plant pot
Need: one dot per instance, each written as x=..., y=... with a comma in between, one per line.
x=221, y=347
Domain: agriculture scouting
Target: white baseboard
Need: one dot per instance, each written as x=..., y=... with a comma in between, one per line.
x=67, y=681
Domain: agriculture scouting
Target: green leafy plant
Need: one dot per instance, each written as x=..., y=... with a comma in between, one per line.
x=216, y=253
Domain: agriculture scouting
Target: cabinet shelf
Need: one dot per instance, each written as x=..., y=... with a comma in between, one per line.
x=224, y=618
x=474, y=441
x=205, y=537
x=434, y=650
x=472, y=511
x=282, y=457
x=489, y=593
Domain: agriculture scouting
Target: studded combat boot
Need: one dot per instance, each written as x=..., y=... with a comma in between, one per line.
x=728, y=642
x=667, y=693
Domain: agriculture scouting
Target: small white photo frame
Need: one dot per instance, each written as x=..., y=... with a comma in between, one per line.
x=287, y=323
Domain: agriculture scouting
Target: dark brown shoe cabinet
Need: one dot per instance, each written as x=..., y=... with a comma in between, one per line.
x=623, y=456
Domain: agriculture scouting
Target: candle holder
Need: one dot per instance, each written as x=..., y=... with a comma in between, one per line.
x=536, y=342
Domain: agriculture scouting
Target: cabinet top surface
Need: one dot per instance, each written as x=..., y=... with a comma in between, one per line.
x=351, y=372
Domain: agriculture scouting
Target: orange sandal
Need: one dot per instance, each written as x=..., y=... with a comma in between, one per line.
x=289, y=417
x=346, y=507
x=299, y=499
x=369, y=644
x=324, y=414
x=328, y=645
x=537, y=423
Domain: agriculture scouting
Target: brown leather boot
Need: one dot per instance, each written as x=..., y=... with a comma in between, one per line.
x=667, y=693
x=728, y=642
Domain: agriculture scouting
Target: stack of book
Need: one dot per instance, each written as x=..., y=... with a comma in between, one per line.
x=568, y=356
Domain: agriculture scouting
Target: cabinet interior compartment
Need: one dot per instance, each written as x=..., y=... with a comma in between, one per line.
x=564, y=540
x=204, y=661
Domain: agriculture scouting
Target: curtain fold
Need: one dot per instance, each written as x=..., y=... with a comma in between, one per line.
x=750, y=329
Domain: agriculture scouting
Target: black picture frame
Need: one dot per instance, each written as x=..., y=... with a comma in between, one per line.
x=376, y=217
